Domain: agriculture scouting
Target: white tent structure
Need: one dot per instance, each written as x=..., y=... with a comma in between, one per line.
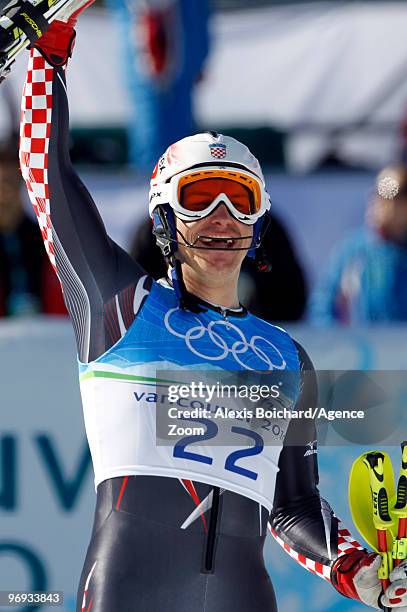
x=333, y=75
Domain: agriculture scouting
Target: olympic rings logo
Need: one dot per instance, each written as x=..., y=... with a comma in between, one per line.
x=242, y=350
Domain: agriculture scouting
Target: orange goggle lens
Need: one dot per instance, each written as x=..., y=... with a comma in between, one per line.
x=198, y=190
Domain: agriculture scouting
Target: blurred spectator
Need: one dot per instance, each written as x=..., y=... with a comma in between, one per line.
x=28, y=284
x=366, y=279
x=164, y=46
x=279, y=295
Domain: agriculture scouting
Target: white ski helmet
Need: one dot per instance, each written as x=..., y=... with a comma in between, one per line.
x=209, y=149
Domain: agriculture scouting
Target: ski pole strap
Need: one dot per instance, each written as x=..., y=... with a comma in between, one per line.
x=30, y=20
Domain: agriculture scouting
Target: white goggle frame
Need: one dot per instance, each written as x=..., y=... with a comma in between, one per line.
x=167, y=193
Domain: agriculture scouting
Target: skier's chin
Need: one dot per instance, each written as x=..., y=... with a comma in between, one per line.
x=219, y=260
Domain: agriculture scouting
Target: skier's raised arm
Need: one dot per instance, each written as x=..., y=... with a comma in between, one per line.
x=92, y=269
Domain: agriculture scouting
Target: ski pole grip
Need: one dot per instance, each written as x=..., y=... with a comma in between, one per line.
x=381, y=516
x=400, y=507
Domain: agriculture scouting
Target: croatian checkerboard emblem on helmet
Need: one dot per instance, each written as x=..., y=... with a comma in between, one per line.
x=218, y=150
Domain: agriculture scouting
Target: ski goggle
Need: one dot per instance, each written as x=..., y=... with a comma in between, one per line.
x=194, y=195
